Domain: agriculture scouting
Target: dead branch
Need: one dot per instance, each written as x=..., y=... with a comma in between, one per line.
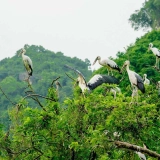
x=36, y=99
x=7, y=97
x=70, y=77
x=30, y=95
x=133, y=147
x=54, y=81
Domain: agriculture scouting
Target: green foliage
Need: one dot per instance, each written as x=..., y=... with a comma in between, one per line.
x=147, y=17
x=47, y=66
x=84, y=129
x=84, y=126
x=141, y=60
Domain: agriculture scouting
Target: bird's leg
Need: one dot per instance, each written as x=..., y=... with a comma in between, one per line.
x=57, y=93
x=158, y=63
x=111, y=72
x=136, y=90
x=108, y=71
x=134, y=93
x=28, y=77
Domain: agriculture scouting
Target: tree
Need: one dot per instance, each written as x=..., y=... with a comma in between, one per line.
x=147, y=17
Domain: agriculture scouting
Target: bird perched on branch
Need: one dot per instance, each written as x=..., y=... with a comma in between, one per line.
x=58, y=85
x=135, y=80
x=94, y=82
x=156, y=52
x=110, y=64
x=27, y=62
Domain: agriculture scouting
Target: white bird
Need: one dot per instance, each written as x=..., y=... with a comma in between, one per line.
x=58, y=85
x=115, y=90
x=116, y=134
x=94, y=82
x=156, y=52
x=141, y=155
x=27, y=62
x=146, y=80
x=135, y=80
x=110, y=64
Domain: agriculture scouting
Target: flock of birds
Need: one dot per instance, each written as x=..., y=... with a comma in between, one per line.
x=137, y=82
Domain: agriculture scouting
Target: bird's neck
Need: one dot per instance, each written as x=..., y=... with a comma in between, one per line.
x=99, y=61
x=23, y=54
x=151, y=48
x=83, y=87
x=127, y=67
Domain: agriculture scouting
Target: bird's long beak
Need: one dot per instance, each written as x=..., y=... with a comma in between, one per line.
x=20, y=53
x=94, y=61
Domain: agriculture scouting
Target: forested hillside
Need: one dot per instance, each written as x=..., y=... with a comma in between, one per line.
x=90, y=127
x=47, y=66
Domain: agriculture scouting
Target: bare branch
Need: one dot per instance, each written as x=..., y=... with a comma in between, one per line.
x=70, y=77
x=36, y=99
x=7, y=97
x=54, y=81
x=133, y=147
x=30, y=95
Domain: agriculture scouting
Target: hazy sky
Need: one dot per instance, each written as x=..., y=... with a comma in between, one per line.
x=78, y=28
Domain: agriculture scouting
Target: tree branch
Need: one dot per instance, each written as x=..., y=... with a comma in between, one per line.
x=54, y=81
x=30, y=95
x=70, y=77
x=7, y=97
x=36, y=99
x=133, y=147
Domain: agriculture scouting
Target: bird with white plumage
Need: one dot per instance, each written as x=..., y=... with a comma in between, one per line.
x=27, y=62
x=115, y=90
x=146, y=80
x=156, y=52
x=94, y=82
x=141, y=155
x=135, y=80
x=110, y=64
x=58, y=85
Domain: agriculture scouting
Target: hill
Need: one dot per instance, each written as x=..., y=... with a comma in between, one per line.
x=47, y=66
